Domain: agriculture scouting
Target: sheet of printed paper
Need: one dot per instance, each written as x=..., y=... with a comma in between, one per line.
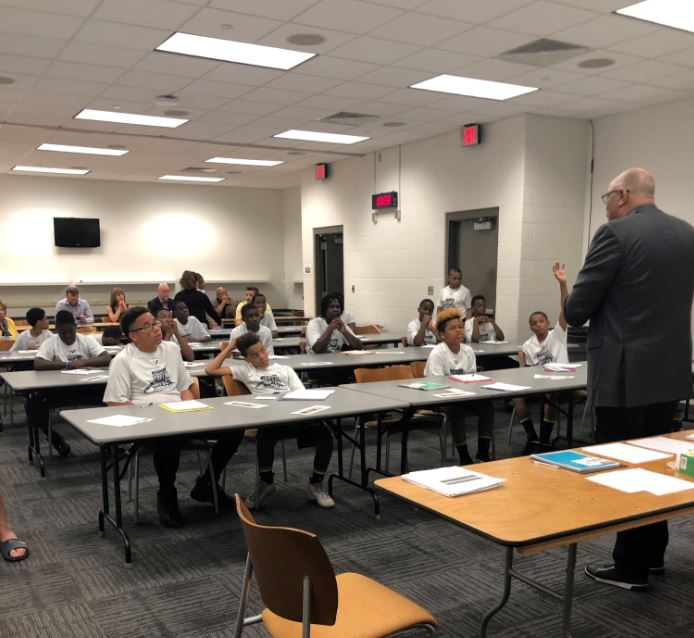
x=80, y=371
x=626, y=453
x=312, y=409
x=245, y=404
x=640, y=480
x=452, y=393
x=119, y=420
x=663, y=444
x=506, y=387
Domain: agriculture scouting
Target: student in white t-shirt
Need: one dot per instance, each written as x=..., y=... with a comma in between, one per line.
x=38, y=333
x=454, y=294
x=68, y=351
x=147, y=371
x=420, y=330
x=266, y=318
x=261, y=377
x=545, y=346
x=327, y=332
x=169, y=332
x=191, y=328
x=251, y=323
x=480, y=327
x=452, y=356
x=346, y=316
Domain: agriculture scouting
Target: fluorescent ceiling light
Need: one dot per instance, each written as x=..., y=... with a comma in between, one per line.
x=129, y=118
x=191, y=178
x=85, y=150
x=317, y=136
x=243, y=162
x=472, y=87
x=46, y=169
x=670, y=13
x=231, y=51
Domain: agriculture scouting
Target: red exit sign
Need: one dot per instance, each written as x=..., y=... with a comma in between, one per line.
x=384, y=200
x=470, y=135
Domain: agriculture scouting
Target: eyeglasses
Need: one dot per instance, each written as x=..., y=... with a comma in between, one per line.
x=146, y=327
x=606, y=196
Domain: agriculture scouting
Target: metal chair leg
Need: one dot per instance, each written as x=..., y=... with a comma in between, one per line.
x=510, y=425
x=213, y=481
x=284, y=461
x=354, y=447
x=136, y=463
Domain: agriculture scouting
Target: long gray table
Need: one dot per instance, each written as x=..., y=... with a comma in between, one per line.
x=222, y=417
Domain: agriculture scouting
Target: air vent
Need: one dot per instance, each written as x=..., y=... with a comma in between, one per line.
x=543, y=52
x=347, y=118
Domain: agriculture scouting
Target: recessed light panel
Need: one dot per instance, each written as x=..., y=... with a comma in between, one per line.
x=83, y=150
x=47, y=169
x=190, y=178
x=231, y=51
x=243, y=162
x=678, y=14
x=473, y=87
x=317, y=136
x=119, y=117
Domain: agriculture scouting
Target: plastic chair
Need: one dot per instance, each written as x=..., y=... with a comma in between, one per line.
x=304, y=597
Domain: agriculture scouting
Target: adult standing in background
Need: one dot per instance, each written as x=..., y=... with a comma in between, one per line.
x=162, y=301
x=77, y=307
x=639, y=357
x=199, y=304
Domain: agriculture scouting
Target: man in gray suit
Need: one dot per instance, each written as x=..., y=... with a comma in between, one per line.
x=636, y=289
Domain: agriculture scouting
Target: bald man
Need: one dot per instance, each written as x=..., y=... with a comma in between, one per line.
x=636, y=289
x=162, y=301
x=225, y=308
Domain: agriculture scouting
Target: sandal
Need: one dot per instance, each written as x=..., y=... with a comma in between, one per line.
x=11, y=544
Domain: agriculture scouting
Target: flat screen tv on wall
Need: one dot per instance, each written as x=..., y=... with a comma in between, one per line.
x=76, y=232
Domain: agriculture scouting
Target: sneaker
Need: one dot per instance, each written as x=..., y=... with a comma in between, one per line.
x=167, y=507
x=62, y=447
x=316, y=492
x=531, y=446
x=609, y=575
x=482, y=459
x=254, y=501
x=202, y=492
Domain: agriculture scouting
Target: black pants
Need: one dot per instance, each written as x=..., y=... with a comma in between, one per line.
x=642, y=547
x=306, y=435
x=166, y=451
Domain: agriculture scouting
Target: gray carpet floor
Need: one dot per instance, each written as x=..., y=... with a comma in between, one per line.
x=185, y=583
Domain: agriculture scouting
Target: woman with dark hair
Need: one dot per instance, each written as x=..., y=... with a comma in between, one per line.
x=199, y=304
x=116, y=305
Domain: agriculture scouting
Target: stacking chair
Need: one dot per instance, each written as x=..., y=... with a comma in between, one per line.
x=305, y=598
x=370, y=329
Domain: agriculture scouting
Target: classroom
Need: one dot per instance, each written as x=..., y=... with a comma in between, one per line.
x=259, y=185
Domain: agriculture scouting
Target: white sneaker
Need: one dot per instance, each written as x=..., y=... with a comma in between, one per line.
x=254, y=501
x=316, y=492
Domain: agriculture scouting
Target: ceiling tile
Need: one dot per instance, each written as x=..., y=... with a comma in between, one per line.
x=661, y=42
x=398, y=78
x=436, y=61
x=680, y=82
x=237, y=26
x=620, y=60
x=70, y=87
x=192, y=100
x=127, y=36
x=352, y=15
x=34, y=46
x=332, y=39
x=461, y=103
x=49, y=25
x=329, y=67
x=542, y=18
x=67, y=7
x=302, y=113
x=644, y=71
x=247, y=106
x=20, y=64
x=543, y=98
x=360, y=91
x=374, y=50
x=120, y=95
x=174, y=64
x=590, y=107
x=382, y=109
x=398, y=4
x=153, y=13
x=243, y=74
x=331, y=102
x=304, y=83
x=87, y=72
x=422, y=114
x=682, y=57
x=218, y=89
x=415, y=28
x=641, y=93
x=602, y=6
x=275, y=96
x=412, y=97
x=547, y=78
x=284, y=10
x=593, y=85
x=485, y=42
x=95, y=54
x=497, y=70
x=604, y=30
x=157, y=82
x=471, y=10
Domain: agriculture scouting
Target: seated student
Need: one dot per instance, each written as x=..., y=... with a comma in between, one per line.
x=162, y=300
x=116, y=305
x=454, y=294
x=327, y=332
x=38, y=333
x=198, y=303
x=226, y=308
x=112, y=336
x=346, y=315
x=169, y=332
x=12, y=549
x=77, y=307
x=251, y=291
x=188, y=326
x=65, y=350
x=251, y=323
x=261, y=377
x=266, y=318
x=147, y=371
x=419, y=331
x=545, y=346
x=452, y=356
x=479, y=327
x=7, y=327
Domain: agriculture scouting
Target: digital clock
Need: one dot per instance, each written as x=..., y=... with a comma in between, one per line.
x=381, y=201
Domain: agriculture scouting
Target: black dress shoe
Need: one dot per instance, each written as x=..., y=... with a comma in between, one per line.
x=202, y=492
x=609, y=575
x=167, y=507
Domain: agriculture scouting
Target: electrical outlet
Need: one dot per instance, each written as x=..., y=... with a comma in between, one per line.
x=430, y=290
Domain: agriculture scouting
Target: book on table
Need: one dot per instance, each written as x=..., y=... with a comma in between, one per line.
x=452, y=481
x=423, y=385
x=575, y=461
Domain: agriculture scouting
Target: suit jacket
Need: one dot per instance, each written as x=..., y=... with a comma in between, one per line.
x=636, y=289
x=155, y=305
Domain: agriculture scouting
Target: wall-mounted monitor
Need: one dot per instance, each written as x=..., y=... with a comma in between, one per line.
x=76, y=232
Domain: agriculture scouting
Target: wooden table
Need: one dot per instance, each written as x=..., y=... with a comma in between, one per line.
x=540, y=508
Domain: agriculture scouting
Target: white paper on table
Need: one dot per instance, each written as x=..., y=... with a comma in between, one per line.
x=562, y=367
x=469, y=378
x=26, y=351
x=98, y=377
x=319, y=363
x=357, y=353
x=663, y=444
x=690, y=437
x=624, y=452
x=266, y=397
x=452, y=481
x=277, y=356
x=551, y=377
x=185, y=406
x=506, y=387
x=309, y=395
x=312, y=409
x=429, y=345
x=485, y=342
x=81, y=371
x=640, y=480
x=245, y=404
x=453, y=392
x=119, y=420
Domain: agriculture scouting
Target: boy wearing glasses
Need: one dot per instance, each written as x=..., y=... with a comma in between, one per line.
x=147, y=371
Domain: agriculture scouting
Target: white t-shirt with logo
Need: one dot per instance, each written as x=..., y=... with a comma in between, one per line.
x=487, y=332
x=315, y=329
x=551, y=350
x=147, y=377
x=83, y=347
x=443, y=361
x=459, y=297
x=194, y=330
x=263, y=333
x=26, y=339
x=273, y=379
x=268, y=321
x=412, y=330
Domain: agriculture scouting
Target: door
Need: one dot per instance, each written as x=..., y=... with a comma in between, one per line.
x=329, y=267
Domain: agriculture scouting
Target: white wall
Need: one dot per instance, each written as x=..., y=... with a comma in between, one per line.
x=293, y=278
x=149, y=232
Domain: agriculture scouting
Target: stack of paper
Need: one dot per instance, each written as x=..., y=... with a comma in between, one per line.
x=505, y=387
x=452, y=481
x=469, y=378
x=185, y=406
x=119, y=420
x=308, y=395
x=562, y=367
x=663, y=444
x=627, y=453
x=639, y=480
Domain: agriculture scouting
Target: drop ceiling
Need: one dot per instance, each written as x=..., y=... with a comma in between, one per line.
x=74, y=54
